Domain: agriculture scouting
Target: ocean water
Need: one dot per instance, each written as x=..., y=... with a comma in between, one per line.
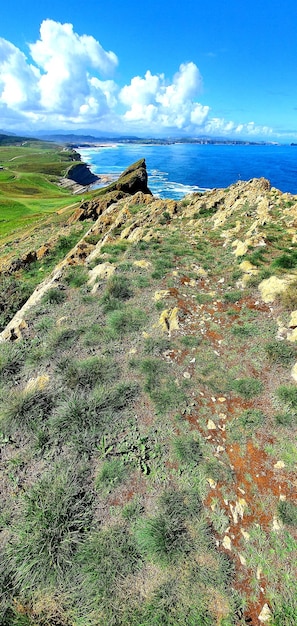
x=178, y=169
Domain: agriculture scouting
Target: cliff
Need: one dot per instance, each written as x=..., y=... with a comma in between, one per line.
x=81, y=174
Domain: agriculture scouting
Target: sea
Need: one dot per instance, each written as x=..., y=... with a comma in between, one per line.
x=175, y=170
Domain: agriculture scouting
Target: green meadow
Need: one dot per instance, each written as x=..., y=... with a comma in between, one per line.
x=29, y=193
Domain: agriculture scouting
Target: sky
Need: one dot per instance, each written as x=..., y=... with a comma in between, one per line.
x=160, y=69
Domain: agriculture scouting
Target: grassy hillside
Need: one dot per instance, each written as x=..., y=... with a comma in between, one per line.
x=28, y=185
x=148, y=422
x=34, y=209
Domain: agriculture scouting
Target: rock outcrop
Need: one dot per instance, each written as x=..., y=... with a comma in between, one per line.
x=81, y=174
x=132, y=180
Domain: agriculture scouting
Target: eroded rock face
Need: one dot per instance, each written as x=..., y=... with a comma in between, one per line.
x=131, y=181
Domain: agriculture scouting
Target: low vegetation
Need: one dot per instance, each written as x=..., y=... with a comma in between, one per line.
x=148, y=421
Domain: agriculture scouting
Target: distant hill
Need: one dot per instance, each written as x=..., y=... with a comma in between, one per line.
x=7, y=140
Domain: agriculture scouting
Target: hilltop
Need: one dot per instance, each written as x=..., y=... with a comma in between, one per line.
x=149, y=403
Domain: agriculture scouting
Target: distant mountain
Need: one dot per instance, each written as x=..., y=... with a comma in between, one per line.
x=8, y=139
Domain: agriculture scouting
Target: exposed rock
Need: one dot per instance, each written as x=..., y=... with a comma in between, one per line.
x=279, y=465
x=81, y=174
x=292, y=335
x=169, y=320
x=238, y=510
x=103, y=270
x=91, y=209
x=272, y=287
x=43, y=251
x=143, y=264
x=160, y=295
x=36, y=384
x=227, y=543
x=265, y=616
x=131, y=181
x=293, y=320
x=294, y=372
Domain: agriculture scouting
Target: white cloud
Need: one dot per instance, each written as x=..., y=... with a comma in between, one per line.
x=219, y=126
x=69, y=82
x=152, y=100
x=65, y=84
x=64, y=59
x=18, y=79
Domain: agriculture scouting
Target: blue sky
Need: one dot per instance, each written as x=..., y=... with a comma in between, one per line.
x=156, y=68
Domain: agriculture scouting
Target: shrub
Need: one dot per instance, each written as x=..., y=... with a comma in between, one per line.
x=288, y=395
x=285, y=261
x=125, y=320
x=163, y=538
x=251, y=418
x=89, y=372
x=188, y=450
x=14, y=293
x=247, y=387
x=105, y=560
x=54, y=296
x=76, y=276
x=111, y=474
x=232, y=296
x=28, y=409
x=155, y=346
x=280, y=352
x=287, y=511
x=285, y=419
x=191, y=341
x=244, y=330
x=117, y=290
x=119, y=287
x=64, y=337
x=11, y=360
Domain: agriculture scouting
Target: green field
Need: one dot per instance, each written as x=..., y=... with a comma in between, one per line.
x=28, y=185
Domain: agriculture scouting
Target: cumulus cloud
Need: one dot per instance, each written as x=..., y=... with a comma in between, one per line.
x=65, y=82
x=220, y=126
x=68, y=81
x=18, y=79
x=165, y=105
x=64, y=59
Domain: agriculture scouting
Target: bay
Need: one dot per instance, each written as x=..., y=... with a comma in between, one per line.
x=177, y=169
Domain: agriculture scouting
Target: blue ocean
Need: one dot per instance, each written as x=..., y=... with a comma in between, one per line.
x=178, y=169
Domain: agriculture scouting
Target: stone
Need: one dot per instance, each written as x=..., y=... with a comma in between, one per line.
x=294, y=372
x=227, y=543
x=272, y=287
x=103, y=271
x=266, y=615
x=143, y=264
x=293, y=320
x=169, y=320
x=279, y=465
x=292, y=335
x=36, y=384
x=277, y=525
x=160, y=295
x=211, y=425
x=237, y=511
x=245, y=534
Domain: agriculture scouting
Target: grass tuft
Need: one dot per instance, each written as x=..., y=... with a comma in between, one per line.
x=57, y=512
